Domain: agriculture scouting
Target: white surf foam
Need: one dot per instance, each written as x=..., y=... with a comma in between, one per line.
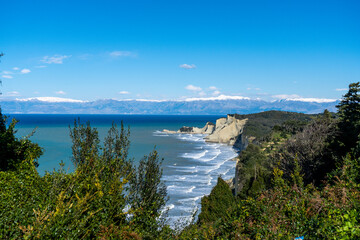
x=195, y=155
x=184, y=169
x=195, y=172
x=191, y=137
x=169, y=207
x=227, y=171
x=215, y=154
x=190, y=189
x=194, y=199
x=160, y=134
x=180, y=189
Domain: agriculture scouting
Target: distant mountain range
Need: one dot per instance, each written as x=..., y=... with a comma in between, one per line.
x=210, y=106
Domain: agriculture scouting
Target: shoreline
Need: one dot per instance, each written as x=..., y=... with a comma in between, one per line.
x=195, y=175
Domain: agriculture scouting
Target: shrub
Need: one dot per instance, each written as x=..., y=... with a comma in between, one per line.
x=218, y=204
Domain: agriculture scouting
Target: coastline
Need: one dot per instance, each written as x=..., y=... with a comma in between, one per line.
x=197, y=173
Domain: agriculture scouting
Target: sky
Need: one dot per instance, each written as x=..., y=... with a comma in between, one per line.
x=172, y=50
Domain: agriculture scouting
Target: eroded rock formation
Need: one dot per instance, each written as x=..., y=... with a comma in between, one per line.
x=227, y=130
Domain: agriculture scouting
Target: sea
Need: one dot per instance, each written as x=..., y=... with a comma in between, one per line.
x=191, y=166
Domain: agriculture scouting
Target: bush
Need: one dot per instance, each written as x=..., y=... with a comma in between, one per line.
x=14, y=151
x=95, y=201
x=253, y=172
x=289, y=210
x=218, y=204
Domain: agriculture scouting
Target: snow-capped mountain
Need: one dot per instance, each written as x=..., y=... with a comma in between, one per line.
x=201, y=106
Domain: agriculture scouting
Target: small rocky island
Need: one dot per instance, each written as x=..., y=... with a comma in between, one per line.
x=227, y=130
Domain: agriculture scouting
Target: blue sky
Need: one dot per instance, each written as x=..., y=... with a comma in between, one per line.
x=176, y=49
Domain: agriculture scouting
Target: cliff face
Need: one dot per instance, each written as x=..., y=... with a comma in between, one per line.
x=227, y=130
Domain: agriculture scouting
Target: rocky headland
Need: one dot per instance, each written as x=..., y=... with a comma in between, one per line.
x=227, y=130
x=238, y=130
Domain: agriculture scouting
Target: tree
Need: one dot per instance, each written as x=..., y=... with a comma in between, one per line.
x=85, y=142
x=349, y=119
x=253, y=172
x=218, y=204
x=311, y=148
x=14, y=151
x=147, y=192
x=1, y=54
x=116, y=149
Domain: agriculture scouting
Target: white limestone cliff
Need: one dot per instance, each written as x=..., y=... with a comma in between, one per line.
x=226, y=130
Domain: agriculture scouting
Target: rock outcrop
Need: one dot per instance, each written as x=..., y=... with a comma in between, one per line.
x=227, y=130
x=207, y=129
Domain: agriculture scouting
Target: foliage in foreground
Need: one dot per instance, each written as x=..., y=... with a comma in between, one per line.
x=211, y=210
x=13, y=150
x=95, y=201
x=289, y=210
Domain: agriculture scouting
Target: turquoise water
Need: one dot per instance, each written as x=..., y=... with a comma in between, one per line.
x=190, y=166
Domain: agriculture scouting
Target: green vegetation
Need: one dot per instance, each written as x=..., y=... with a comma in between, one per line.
x=211, y=212
x=260, y=125
x=301, y=177
x=106, y=197
x=253, y=171
x=349, y=124
x=14, y=151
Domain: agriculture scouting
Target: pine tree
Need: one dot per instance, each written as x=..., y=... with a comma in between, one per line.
x=349, y=116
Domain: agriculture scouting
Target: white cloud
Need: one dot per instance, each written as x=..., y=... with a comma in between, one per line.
x=221, y=97
x=42, y=66
x=7, y=72
x=56, y=59
x=49, y=99
x=187, y=66
x=12, y=94
x=25, y=71
x=16, y=68
x=122, y=54
x=124, y=92
x=213, y=88
x=60, y=92
x=216, y=93
x=7, y=76
x=201, y=94
x=193, y=88
x=341, y=89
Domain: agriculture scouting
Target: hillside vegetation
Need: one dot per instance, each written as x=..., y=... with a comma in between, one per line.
x=301, y=180
x=260, y=125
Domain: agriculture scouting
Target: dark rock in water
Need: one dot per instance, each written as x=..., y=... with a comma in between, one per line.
x=186, y=129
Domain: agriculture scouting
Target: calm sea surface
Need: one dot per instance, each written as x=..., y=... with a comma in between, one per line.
x=191, y=166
